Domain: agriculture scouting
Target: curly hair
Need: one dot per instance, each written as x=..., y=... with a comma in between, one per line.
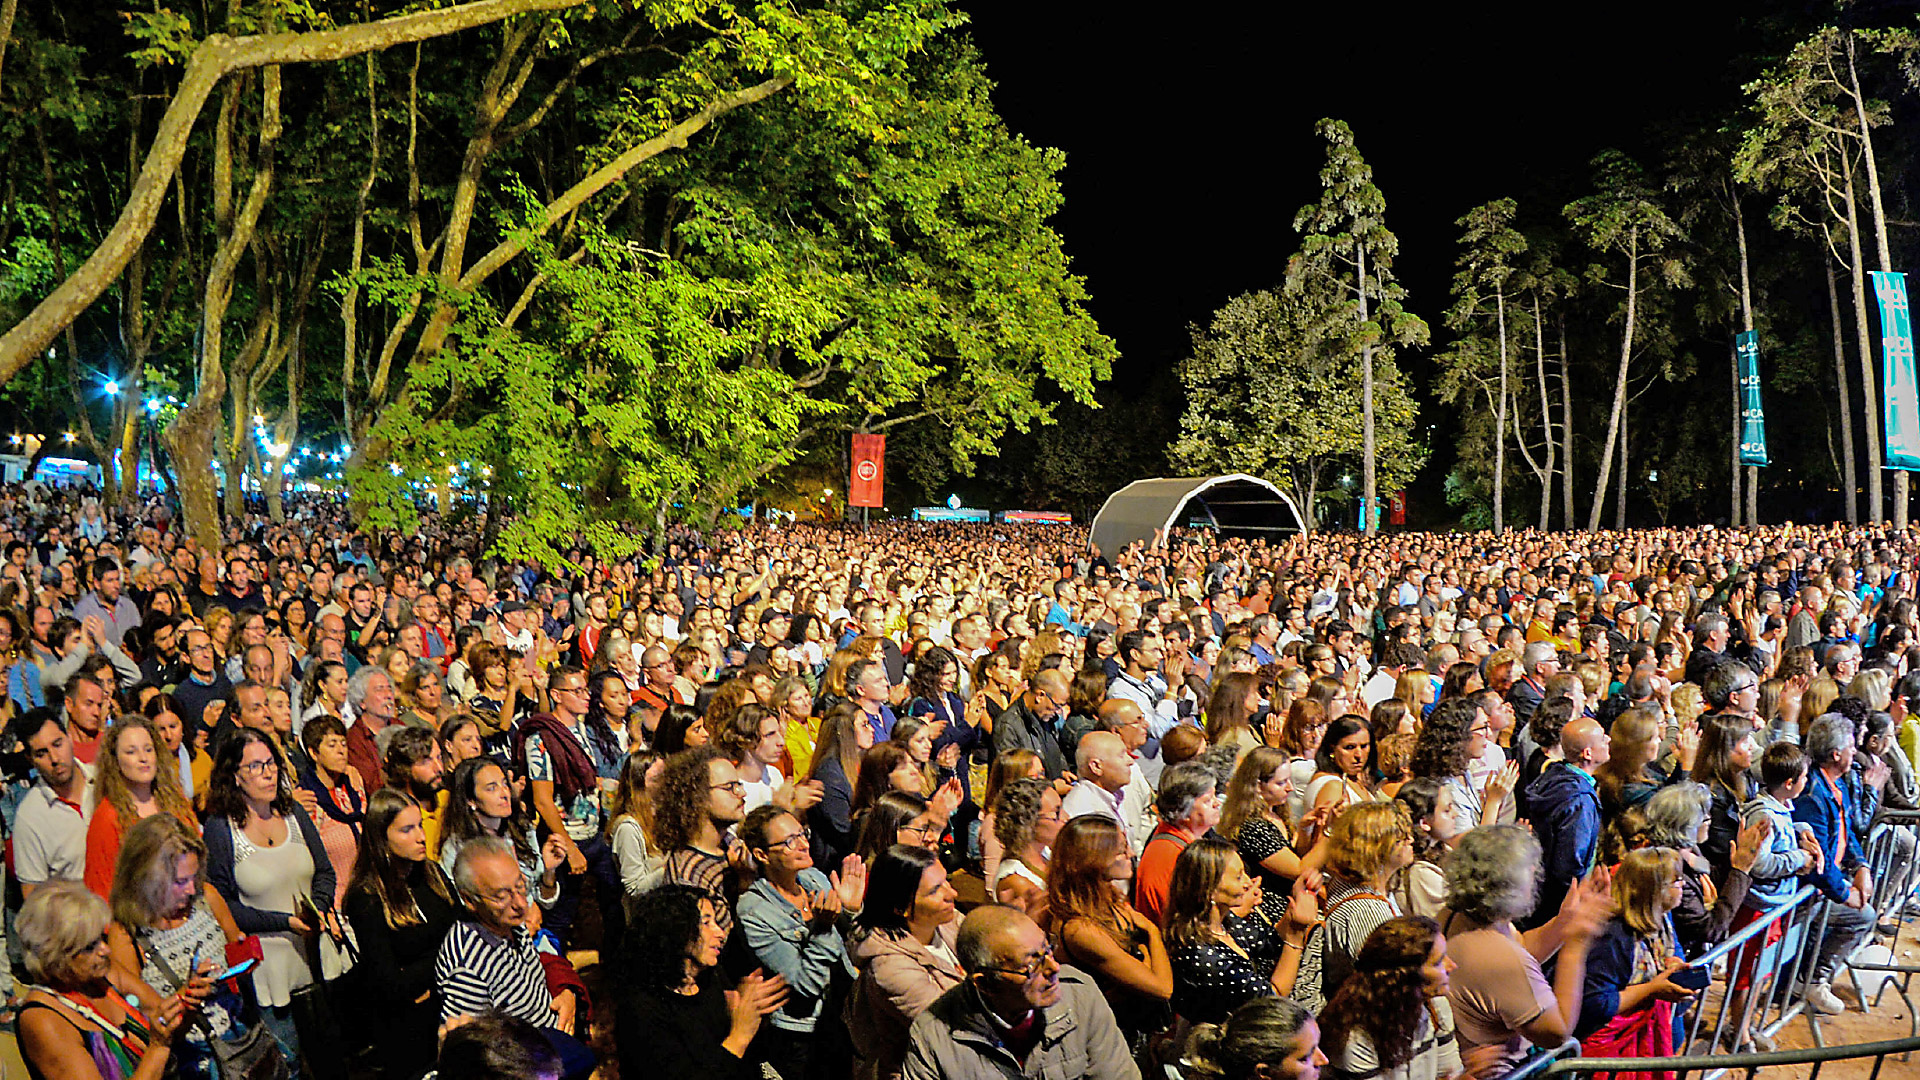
x=1493, y=874
x=1362, y=839
x=223, y=787
x=665, y=922
x=150, y=854
x=1440, y=751
x=742, y=731
x=1016, y=812
x=111, y=784
x=924, y=683
x=683, y=796
x=1385, y=996
x=1674, y=814
x=1421, y=797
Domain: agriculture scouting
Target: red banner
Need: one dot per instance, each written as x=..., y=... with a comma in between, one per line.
x=1397, y=508
x=869, y=471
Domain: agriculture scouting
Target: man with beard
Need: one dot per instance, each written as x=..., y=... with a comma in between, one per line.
x=50, y=828
x=414, y=766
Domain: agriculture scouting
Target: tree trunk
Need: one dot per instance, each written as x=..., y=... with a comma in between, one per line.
x=1879, y=237
x=1369, y=497
x=1500, y=421
x=1546, y=413
x=1869, y=391
x=191, y=437
x=213, y=60
x=1620, y=504
x=1849, y=474
x=1619, y=380
x=1566, y=430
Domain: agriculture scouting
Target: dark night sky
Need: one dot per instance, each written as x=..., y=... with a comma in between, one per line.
x=1190, y=144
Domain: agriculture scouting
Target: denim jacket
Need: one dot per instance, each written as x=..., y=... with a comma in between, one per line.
x=787, y=947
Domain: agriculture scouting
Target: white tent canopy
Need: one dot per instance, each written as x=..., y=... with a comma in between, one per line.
x=1236, y=504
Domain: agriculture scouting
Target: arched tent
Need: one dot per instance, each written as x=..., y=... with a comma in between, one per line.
x=1236, y=504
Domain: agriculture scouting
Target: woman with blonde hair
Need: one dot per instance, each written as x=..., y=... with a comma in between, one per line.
x=1414, y=688
x=78, y=1021
x=1366, y=846
x=1253, y=817
x=132, y=781
x=167, y=919
x=1628, y=997
x=1300, y=740
x=1872, y=687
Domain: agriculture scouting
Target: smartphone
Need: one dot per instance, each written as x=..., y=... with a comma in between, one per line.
x=236, y=970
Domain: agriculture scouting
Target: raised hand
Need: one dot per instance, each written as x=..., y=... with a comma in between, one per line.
x=851, y=883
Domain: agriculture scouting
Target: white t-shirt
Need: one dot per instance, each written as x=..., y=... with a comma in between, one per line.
x=760, y=792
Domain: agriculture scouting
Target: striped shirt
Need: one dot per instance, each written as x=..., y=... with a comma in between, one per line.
x=478, y=970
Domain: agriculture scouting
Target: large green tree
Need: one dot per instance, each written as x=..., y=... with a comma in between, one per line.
x=1346, y=263
x=1273, y=390
x=1490, y=246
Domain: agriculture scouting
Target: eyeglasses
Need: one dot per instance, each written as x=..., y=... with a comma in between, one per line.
x=1031, y=968
x=796, y=842
x=929, y=834
x=738, y=787
x=259, y=768
x=570, y=689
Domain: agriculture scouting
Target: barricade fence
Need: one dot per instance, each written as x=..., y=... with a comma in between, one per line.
x=1786, y=945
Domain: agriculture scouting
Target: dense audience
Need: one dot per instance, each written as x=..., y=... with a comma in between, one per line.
x=933, y=801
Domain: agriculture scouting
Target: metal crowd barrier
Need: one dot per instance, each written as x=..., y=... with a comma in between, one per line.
x=1678, y=1068
x=1895, y=886
x=1774, y=997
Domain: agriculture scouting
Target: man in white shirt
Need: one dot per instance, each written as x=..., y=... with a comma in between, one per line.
x=1400, y=657
x=1106, y=767
x=50, y=828
x=1140, y=681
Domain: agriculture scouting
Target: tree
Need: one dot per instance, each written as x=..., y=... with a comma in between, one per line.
x=1489, y=246
x=1272, y=391
x=1346, y=262
x=806, y=271
x=1624, y=218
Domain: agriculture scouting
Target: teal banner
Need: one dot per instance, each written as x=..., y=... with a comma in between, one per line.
x=1897, y=383
x=1753, y=421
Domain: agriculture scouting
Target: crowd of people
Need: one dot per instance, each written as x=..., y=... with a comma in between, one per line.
x=929, y=801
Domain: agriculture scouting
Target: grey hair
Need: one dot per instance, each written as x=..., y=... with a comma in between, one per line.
x=1829, y=735
x=1708, y=625
x=1493, y=873
x=362, y=679
x=1180, y=787
x=473, y=851
x=1674, y=814
x=58, y=922
x=1537, y=653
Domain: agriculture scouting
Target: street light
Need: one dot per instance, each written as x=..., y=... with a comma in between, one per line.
x=113, y=387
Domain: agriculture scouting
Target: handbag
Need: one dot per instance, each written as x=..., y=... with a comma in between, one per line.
x=252, y=1055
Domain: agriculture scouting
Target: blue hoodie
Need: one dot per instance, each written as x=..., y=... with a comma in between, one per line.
x=1565, y=810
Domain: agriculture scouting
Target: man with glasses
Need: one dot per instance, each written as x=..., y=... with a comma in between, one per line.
x=1031, y=722
x=489, y=963
x=701, y=798
x=656, y=672
x=563, y=778
x=1020, y=1012
x=203, y=682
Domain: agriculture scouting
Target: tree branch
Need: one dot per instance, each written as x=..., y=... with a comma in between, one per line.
x=215, y=58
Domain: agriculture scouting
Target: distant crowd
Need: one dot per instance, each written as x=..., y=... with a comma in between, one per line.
x=922, y=801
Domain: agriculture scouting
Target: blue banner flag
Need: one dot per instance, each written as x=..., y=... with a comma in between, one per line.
x=1897, y=382
x=1753, y=422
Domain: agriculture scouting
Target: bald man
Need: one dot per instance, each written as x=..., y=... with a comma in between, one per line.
x=1032, y=722
x=1564, y=804
x=1105, y=765
x=1124, y=718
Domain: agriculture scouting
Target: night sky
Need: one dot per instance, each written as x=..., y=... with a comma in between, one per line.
x=1190, y=145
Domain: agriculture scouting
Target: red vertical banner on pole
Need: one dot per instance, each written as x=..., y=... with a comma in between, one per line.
x=1397, y=509
x=869, y=471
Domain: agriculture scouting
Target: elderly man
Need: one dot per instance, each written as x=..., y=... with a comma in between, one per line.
x=1826, y=807
x=1028, y=724
x=1123, y=718
x=1105, y=765
x=489, y=962
x=370, y=696
x=1188, y=807
x=1540, y=662
x=1020, y=1012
